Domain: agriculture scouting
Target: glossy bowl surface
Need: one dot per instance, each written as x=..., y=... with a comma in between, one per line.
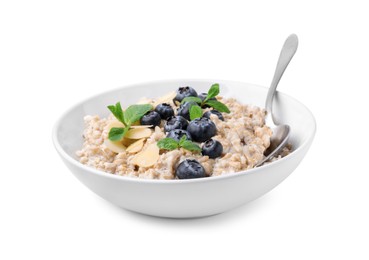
x=184, y=198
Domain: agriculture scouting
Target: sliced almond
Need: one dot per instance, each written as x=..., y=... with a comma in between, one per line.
x=147, y=157
x=165, y=99
x=136, y=146
x=114, y=124
x=127, y=142
x=138, y=133
x=116, y=147
x=140, y=126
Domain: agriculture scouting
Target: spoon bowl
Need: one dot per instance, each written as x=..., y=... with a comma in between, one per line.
x=279, y=139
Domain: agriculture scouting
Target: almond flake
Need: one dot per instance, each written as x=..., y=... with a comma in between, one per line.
x=127, y=142
x=138, y=133
x=114, y=124
x=136, y=146
x=147, y=157
x=141, y=126
x=116, y=147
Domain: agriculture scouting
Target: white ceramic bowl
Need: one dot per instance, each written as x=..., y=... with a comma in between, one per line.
x=193, y=197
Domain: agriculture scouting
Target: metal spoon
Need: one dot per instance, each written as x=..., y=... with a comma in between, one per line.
x=281, y=133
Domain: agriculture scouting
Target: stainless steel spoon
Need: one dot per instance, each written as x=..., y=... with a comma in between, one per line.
x=281, y=133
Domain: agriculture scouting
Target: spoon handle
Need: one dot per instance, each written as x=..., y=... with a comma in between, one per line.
x=288, y=50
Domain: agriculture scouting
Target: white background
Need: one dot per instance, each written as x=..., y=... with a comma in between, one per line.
x=56, y=53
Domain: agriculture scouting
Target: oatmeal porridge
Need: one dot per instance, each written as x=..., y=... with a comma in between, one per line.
x=180, y=135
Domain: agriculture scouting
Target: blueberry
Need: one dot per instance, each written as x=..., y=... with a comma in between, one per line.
x=183, y=92
x=201, y=129
x=184, y=109
x=212, y=148
x=151, y=118
x=190, y=169
x=164, y=110
x=177, y=134
x=175, y=122
x=202, y=96
x=215, y=112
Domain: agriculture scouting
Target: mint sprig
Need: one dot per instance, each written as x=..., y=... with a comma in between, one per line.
x=135, y=112
x=218, y=106
x=195, y=112
x=117, y=112
x=191, y=99
x=117, y=133
x=127, y=118
x=212, y=93
x=171, y=144
x=189, y=145
x=168, y=144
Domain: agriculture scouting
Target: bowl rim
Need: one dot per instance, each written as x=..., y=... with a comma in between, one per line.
x=100, y=173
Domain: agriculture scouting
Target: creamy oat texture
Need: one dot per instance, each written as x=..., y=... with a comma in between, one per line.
x=243, y=134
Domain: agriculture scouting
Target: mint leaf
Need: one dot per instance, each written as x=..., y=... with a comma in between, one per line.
x=195, y=112
x=171, y=144
x=213, y=92
x=183, y=138
x=190, y=146
x=194, y=99
x=167, y=144
x=117, y=112
x=135, y=112
x=218, y=106
x=117, y=133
